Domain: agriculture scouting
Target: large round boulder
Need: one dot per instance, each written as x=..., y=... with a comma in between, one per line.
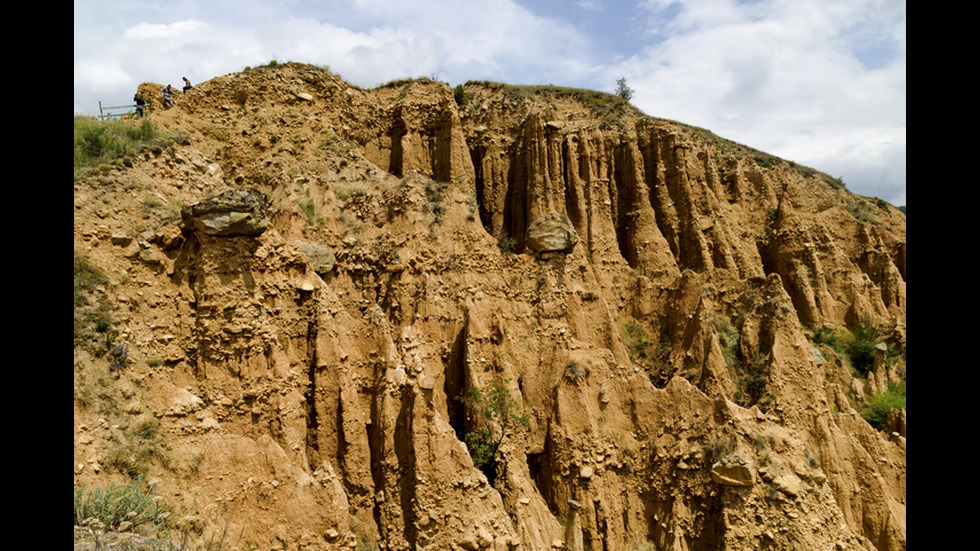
x=552, y=232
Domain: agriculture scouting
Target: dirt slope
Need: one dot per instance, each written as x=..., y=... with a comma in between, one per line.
x=663, y=359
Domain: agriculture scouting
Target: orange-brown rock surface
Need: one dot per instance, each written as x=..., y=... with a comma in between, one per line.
x=674, y=398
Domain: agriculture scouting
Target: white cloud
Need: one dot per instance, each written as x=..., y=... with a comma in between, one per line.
x=779, y=76
x=179, y=31
x=800, y=78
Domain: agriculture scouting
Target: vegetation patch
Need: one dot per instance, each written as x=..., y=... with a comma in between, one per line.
x=860, y=209
x=860, y=347
x=91, y=305
x=500, y=414
x=826, y=336
x=603, y=105
x=836, y=183
x=121, y=508
x=506, y=243
x=133, y=453
x=720, y=446
x=652, y=355
x=433, y=194
x=882, y=403
x=99, y=142
x=460, y=95
x=730, y=339
x=87, y=278
x=857, y=348
x=750, y=381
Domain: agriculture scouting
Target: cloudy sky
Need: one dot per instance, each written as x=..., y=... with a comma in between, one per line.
x=819, y=82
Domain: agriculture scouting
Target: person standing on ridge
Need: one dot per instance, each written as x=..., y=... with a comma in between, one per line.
x=139, y=105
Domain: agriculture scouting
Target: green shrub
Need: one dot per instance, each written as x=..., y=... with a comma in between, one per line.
x=751, y=382
x=827, y=337
x=836, y=183
x=496, y=406
x=460, y=95
x=506, y=243
x=860, y=209
x=882, y=403
x=121, y=508
x=574, y=371
x=860, y=347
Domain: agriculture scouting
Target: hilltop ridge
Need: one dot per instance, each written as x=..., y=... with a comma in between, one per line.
x=666, y=306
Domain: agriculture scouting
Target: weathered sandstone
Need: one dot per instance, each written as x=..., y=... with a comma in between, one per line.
x=309, y=402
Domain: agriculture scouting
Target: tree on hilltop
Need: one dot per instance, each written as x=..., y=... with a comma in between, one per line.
x=622, y=90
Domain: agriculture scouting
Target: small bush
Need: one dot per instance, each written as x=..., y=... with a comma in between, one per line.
x=136, y=451
x=637, y=341
x=118, y=357
x=496, y=406
x=433, y=193
x=121, y=508
x=91, y=305
x=460, y=95
x=506, y=243
x=836, y=183
x=882, y=403
x=860, y=347
x=751, y=381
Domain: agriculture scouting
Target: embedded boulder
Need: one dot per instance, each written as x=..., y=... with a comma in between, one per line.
x=733, y=470
x=321, y=258
x=552, y=232
x=234, y=212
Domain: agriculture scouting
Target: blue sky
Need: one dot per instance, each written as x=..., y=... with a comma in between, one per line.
x=819, y=82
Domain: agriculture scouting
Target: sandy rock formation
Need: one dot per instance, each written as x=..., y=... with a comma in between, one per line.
x=672, y=393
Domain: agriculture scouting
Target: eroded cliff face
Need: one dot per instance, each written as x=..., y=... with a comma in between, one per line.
x=672, y=393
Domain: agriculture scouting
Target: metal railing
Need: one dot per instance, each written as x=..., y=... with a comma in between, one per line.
x=116, y=111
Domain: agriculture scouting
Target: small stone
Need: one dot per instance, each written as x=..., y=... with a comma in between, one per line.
x=484, y=538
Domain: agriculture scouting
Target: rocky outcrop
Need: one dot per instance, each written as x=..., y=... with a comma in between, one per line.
x=234, y=212
x=308, y=378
